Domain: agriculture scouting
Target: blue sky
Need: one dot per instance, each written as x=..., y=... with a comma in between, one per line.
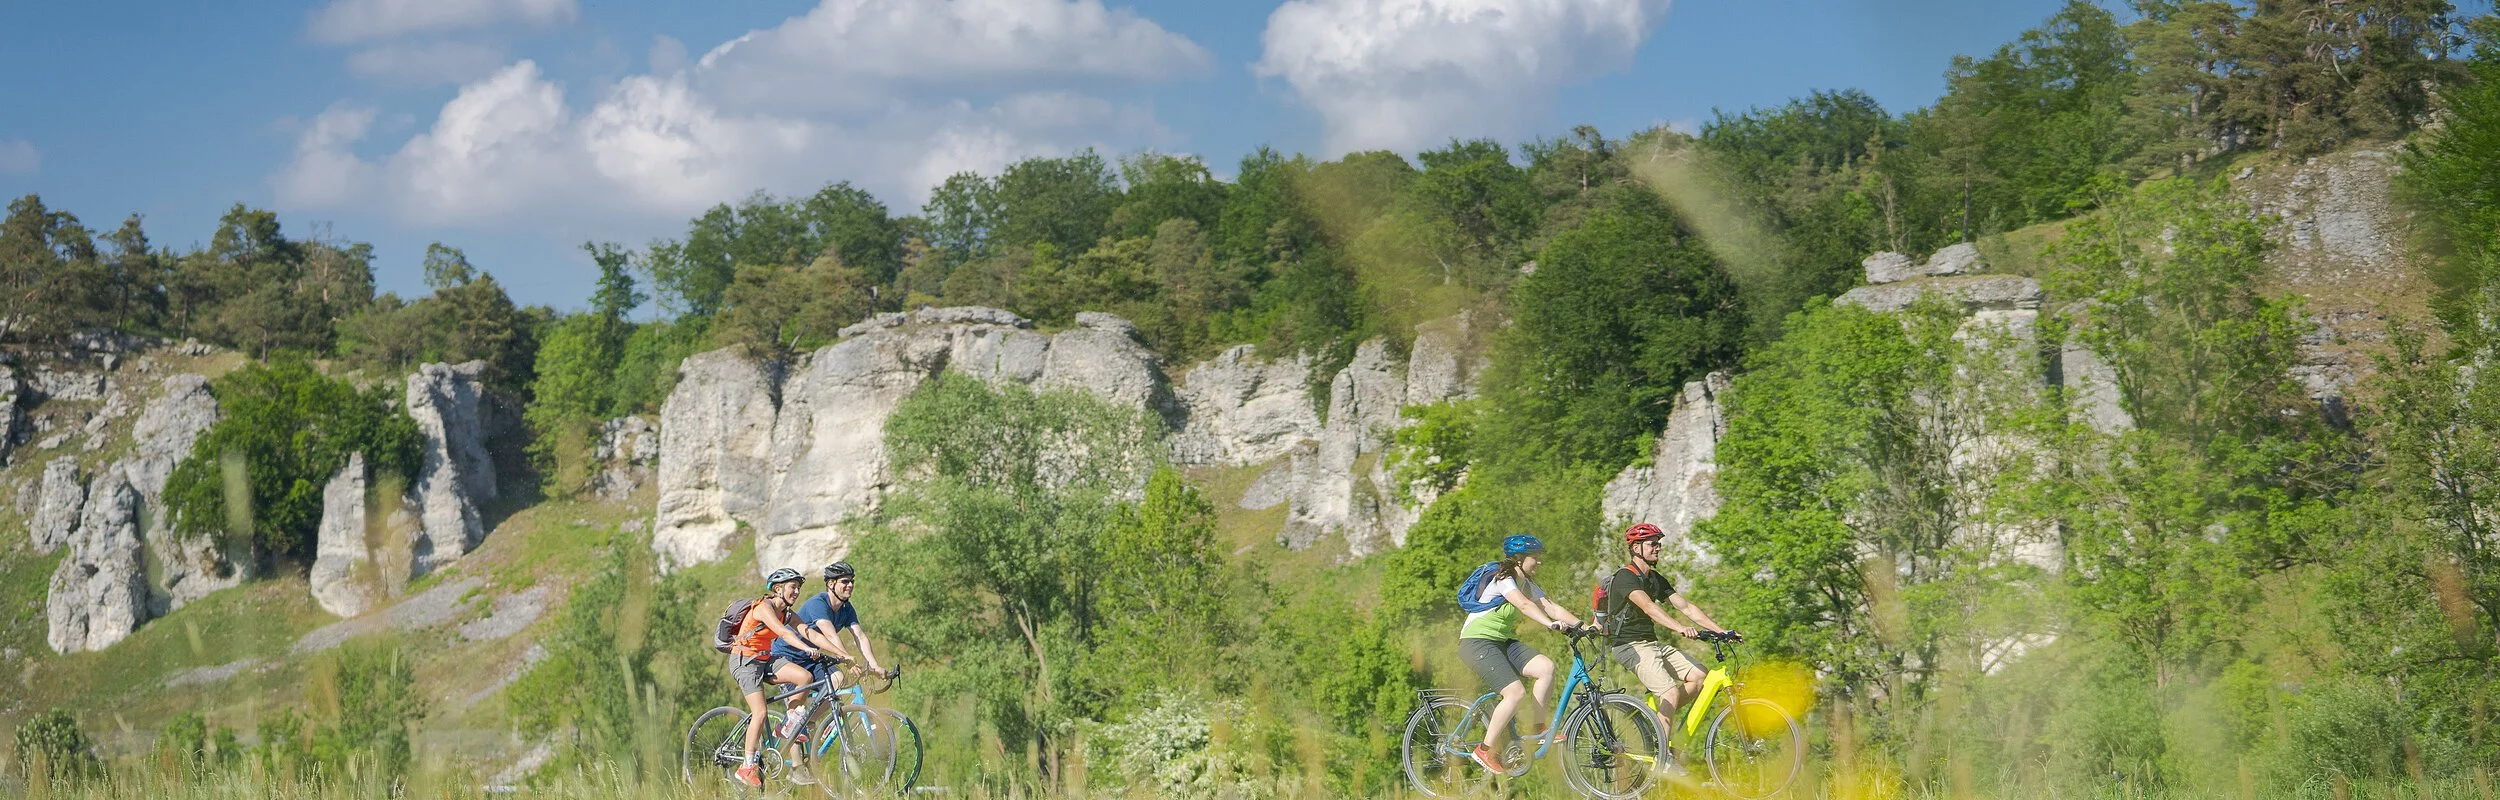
x=516, y=129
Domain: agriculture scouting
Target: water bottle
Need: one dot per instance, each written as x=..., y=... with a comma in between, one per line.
x=798, y=719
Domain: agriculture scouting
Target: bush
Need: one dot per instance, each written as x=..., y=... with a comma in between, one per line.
x=291, y=428
x=368, y=690
x=191, y=744
x=52, y=742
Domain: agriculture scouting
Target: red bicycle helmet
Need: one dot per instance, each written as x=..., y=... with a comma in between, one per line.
x=1643, y=532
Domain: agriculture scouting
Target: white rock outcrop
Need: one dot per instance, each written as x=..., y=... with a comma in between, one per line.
x=1240, y=409
x=345, y=572
x=716, y=445
x=189, y=565
x=98, y=593
x=1887, y=267
x=627, y=452
x=62, y=495
x=795, y=460
x=12, y=412
x=1678, y=488
x=456, y=473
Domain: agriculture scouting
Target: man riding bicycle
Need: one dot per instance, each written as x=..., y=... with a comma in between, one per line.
x=821, y=621
x=1633, y=637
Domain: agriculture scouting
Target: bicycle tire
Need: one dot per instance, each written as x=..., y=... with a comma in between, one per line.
x=1747, y=749
x=907, y=752
x=725, y=728
x=1425, y=752
x=858, y=744
x=1517, y=754
x=1612, y=746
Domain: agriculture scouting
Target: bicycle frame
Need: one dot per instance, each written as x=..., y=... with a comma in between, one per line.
x=1578, y=678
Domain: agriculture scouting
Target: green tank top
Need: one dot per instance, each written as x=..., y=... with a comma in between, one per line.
x=1501, y=623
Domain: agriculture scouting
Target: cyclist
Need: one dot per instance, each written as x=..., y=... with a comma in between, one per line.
x=1638, y=587
x=1489, y=643
x=750, y=658
x=821, y=621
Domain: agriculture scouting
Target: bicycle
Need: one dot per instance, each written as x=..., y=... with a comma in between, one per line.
x=715, y=743
x=1735, y=753
x=1613, y=741
x=880, y=749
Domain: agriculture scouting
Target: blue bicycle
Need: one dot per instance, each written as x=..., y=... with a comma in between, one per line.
x=1610, y=741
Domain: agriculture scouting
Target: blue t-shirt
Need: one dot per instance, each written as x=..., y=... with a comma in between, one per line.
x=819, y=607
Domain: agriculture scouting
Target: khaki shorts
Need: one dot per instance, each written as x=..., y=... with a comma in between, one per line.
x=1660, y=668
x=752, y=673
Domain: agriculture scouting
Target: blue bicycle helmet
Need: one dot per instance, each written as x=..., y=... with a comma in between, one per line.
x=1521, y=545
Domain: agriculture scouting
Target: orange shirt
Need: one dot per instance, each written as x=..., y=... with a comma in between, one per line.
x=755, y=638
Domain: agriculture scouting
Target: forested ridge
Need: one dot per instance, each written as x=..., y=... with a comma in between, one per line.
x=2247, y=596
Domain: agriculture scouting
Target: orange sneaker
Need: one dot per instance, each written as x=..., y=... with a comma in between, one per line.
x=1485, y=758
x=750, y=775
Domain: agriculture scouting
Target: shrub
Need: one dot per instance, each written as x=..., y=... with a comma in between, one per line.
x=52, y=742
x=291, y=428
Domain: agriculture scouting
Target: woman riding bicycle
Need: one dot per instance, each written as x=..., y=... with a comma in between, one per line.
x=751, y=662
x=1489, y=643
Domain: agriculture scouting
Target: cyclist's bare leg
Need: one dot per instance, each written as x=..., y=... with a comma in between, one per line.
x=1499, y=720
x=755, y=723
x=1541, y=670
x=790, y=675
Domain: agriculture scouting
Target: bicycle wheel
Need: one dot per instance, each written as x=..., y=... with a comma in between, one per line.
x=855, y=753
x=1430, y=750
x=715, y=744
x=1611, y=747
x=1754, y=748
x=905, y=736
x=1516, y=750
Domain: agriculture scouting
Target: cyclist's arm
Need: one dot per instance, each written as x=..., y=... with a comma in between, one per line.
x=1535, y=612
x=827, y=641
x=1640, y=599
x=1693, y=612
x=782, y=630
x=859, y=633
x=1556, y=611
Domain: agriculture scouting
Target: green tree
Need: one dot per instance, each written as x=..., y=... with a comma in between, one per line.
x=447, y=267
x=1621, y=312
x=47, y=261
x=997, y=549
x=51, y=741
x=290, y=428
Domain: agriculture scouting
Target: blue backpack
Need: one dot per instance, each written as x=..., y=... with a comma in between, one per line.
x=1473, y=588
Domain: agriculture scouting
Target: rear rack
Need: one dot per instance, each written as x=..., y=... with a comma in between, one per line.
x=1427, y=696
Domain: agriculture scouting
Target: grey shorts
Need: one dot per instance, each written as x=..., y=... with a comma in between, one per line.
x=752, y=673
x=807, y=666
x=1498, y=664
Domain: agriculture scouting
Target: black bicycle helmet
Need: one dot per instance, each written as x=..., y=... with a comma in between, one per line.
x=782, y=576
x=837, y=571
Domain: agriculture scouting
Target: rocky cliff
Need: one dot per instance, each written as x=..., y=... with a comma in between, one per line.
x=374, y=539
x=794, y=452
x=1678, y=487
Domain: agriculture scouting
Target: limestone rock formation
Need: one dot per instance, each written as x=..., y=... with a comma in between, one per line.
x=457, y=473
x=716, y=436
x=1887, y=267
x=12, y=400
x=343, y=562
x=1678, y=488
x=1242, y=410
x=62, y=496
x=795, y=460
x=1972, y=292
x=190, y=565
x=173, y=420
x=1959, y=259
x=628, y=449
x=1446, y=360
x=98, y=594
x=2091, y=389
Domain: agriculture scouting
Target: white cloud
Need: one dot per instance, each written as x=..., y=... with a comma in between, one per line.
x=344, y=21
x=426, y=63
x=509, y=151
x=849, y=55
x=324, y=173
x=19, y=157
x=1410, y=74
